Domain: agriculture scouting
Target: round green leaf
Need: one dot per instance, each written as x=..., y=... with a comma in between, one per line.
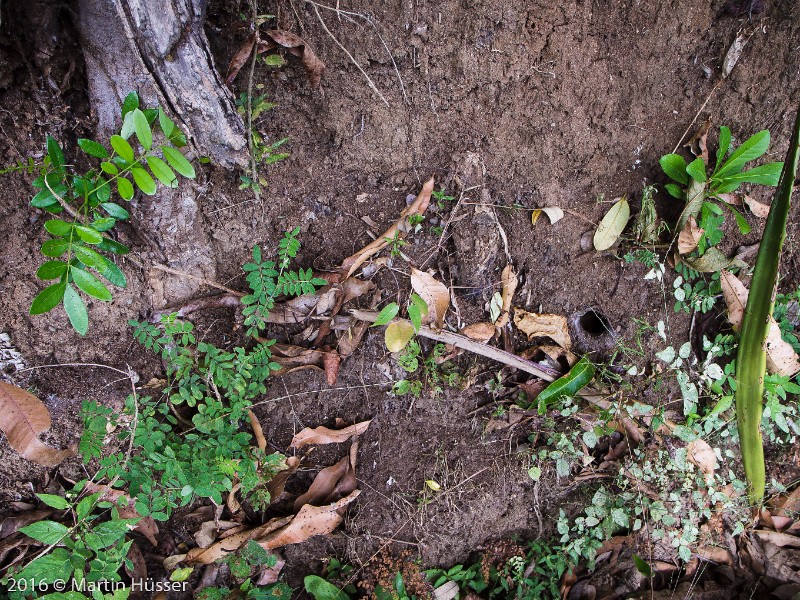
x=52, y=269
x=76, y=310
x=388, y=313
x=58, y=227
x=90, y=284
x=125, y=188
x=92, y=148
x=674, y=166
x=178, y=161
x=162, y=171
x=88, y=235
x=101, y=264
x=142, y=128
x=103, y=224
x=144, y=181
x=122, y=147
x=115, y=210
x=87, y=256
x=109, y=167
x=55, y=248
x=48, y=298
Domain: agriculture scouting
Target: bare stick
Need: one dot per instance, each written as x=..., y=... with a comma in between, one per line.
x=463, y=342
x=350, y=56
x=213, y=284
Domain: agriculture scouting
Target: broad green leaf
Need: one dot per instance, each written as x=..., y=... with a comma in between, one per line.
x=55, y=153
x=570, y=384
x=767, y=174
x=125, y=188
x=415, y=316
x=92, y=148
x=697, y=169
x=142, y=128
x=101, y=264
x=109, y=533
x=712, y=261
x=166, y=124
x=695, y=196
x=724, y=144
x=144, y=181
x=612, y=225
x=416, y=300
x=47, y=532
x=741, y=222
x=53, y=566
x=90, y=284
x=103, y=190
x=86, y=505
x=48, y=298
x=103, y=224
x=674, y=166
x=674, y=190
x=162, y=171
x=388, y=313
x=58, y=227
x=108, y=245
x=751, y=149
x=178, y=161
x=88, y=235
x=322, y=590
x=109, y=167
x=130, y=103
x=55, y=248
x=642, y=566
x=127, y=126
x=46, y=197
x=52, y=269
x=115, y=210
x=123, y=148
x=397, y=335
x=53, y=501
x=76, y=309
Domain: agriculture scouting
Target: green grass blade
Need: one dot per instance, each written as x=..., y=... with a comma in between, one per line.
x=751, y=357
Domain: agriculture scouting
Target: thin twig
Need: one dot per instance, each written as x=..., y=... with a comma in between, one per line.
x=64, y=204
x=208, y=282
x=465, y=343
x=250, y=142
x=350, y=56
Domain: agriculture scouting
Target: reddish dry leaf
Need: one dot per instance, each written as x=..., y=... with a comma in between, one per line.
x=240, y=59
x=22, y=418
x=277, y=484
x=268, y=575
x=146, y=525
x=689, y=237
x=323, y=435
x=698, y=143
x=139, y=571
x=434, y=293
x=332, y=483
x=418, y=207
x=257, y=431
x=777, y=538
x=298, y=47
x=781, y=357
x=330, y=362
x=480, y=332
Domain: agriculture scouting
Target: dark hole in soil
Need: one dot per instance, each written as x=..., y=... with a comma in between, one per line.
x=594, y=323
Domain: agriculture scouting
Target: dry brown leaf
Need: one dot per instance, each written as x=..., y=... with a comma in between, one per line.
x=146, y=525
x=434, y=293
x=332, y=483
x=698, y=143
x=139, y=571
x=330, y=363
x=351, y=339
x=268, y=575
x=240, y=59
x=209, y=531
x=777, y=538
x=277, y=485
x=537, y=325
x=232, y=503
x=702, y=455
x=757, y=208
x=781, y=357
x=22, y=418
x=509, y=281
x=225, y=546
x=257, y=431
x=298, y=47
x=310, y=521
x=733, y=54
x=480, y=332
x=323, y=435
x=689, y=237
x=418, y=207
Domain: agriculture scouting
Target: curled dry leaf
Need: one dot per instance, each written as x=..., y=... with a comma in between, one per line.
x=698, y=143
x=297, y=46
x=733, y=54
x=277, y=485
x=257, y=431
x=702, y=455
x=781, y=357
x=22, y=418
x=434, y=293
x=510, y=282
x=712, y=261
x=225, y=546
x=480, y=332
x=612, y=225
x=330, y=363
x=554, y=213
x=689, y=237
x=759, y=209
x=537, y=325
x=418, y=207
x=323, y=435
x=240, y=59
x=332, y=483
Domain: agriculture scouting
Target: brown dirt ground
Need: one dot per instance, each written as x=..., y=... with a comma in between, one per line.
x=536, y=104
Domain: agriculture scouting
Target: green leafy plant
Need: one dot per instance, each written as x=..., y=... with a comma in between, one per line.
x=76, y=250
x=263, y=152
x=704, y=191
x=428, y=369
x=751, y=359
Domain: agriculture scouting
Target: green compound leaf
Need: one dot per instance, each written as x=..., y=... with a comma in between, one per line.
x=125, y=188
x=115, y=210
x=123, y=148
x=76, y=309
x=724, y=145
x=570, y=384
x=166, y=124
x=108, y=245
x=55, y=153
x=130, y=103
x=52, y=269
x=751, y=149
x=162, y=171
x=48, y=298
x=58, y=227
x=90, y=284
x=144, y=181
x=142, y=128
x=92, y=148
x=101, y=264
x=55, y=248
x=109, y=167
x=88, y=235
x=178, y=161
